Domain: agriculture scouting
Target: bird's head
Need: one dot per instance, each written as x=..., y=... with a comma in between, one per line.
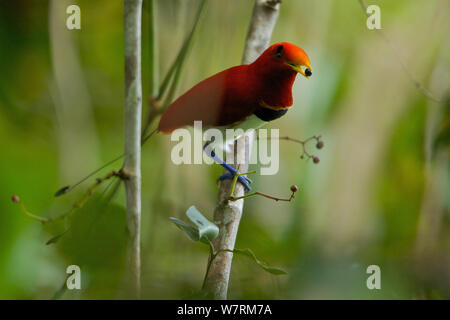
x=286, y=56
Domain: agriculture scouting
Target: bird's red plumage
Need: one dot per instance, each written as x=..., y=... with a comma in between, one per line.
x=232, y=95
x=216, y=101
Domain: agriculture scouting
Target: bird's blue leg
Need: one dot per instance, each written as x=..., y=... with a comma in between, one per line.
x=232, y=171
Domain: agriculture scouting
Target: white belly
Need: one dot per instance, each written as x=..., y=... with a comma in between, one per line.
x=251, y=123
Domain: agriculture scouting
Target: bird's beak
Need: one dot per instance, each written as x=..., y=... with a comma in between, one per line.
x=305, y=70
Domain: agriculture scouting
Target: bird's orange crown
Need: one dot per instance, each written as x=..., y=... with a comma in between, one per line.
x=285, y=55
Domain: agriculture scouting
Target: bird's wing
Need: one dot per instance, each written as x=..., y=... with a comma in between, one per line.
x=219, y=100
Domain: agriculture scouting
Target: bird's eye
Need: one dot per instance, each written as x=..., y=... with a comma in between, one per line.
x=278, y=52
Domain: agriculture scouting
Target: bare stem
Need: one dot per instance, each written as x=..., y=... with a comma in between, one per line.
x=132, y=161
x=257, y=193
x=80, y=203
x=227, y=216
x=302, y=142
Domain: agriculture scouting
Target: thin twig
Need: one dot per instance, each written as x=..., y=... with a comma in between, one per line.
x=257, y=193
x=303, y=143
x=154, y=110
x=80, y=203
x=212, y=256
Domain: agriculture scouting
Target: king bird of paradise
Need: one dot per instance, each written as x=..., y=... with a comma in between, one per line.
x=242, y=97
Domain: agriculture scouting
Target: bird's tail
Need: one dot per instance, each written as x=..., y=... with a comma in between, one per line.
x=68, y=188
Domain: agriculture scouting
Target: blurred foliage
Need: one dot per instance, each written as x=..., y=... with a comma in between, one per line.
x=365, y=203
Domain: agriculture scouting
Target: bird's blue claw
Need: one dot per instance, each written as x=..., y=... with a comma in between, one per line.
x=225, y=176
x=242, y=179
x=245, y=182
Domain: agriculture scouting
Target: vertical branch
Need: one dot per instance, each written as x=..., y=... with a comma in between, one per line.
x=436, y=173
x=133, y=110
x=228, y=215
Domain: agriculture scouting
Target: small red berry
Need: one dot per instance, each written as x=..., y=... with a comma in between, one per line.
x=319, y=145
x=15, y=198
x=294, y=188
x=316, y=159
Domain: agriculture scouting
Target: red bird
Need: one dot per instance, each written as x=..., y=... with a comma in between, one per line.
x=245, y=96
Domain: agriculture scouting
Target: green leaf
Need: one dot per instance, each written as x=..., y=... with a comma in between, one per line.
x=206, y=229
x=191, y=232
x=205, y=232
x=62, y=191
x=55, y=229
x=249, y=253
x=55, y=238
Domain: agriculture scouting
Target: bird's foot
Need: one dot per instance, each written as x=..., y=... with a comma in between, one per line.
x=242, y=179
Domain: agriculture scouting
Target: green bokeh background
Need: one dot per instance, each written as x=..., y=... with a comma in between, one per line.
x=380, y=194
